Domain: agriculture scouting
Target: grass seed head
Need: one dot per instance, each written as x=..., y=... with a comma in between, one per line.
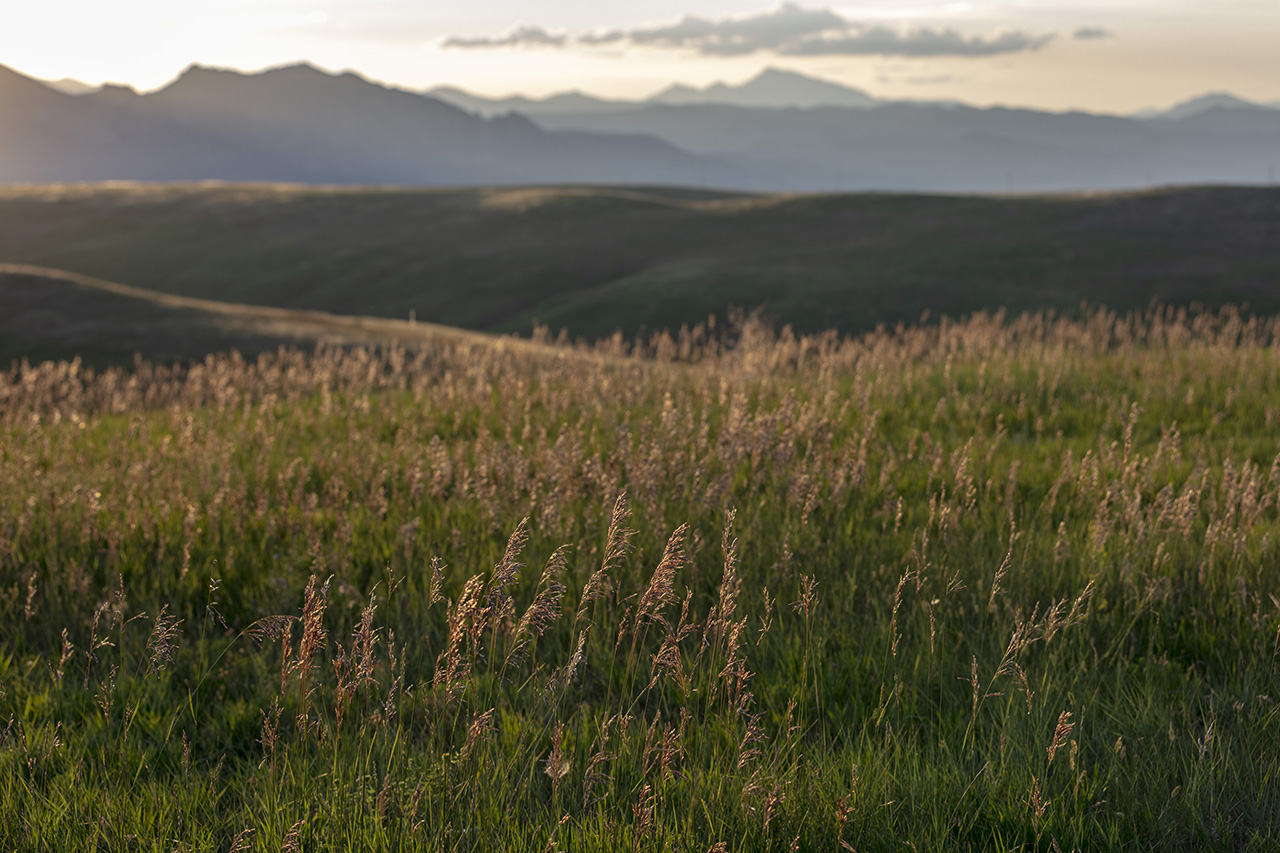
x=163, y=641
x=1060, y=734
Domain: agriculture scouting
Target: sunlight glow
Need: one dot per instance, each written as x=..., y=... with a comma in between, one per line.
x=1160, y=50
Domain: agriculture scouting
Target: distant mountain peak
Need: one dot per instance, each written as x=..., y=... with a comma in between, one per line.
x=280, y=84
x=772, y=72
x=1218, y=99
x=70, y=86
x=295, y=70
x=304, y=70
x=116, y=93
x=13, y=82
x=772, y=88
x=572, y=101
x=195, y=69
x=1204, y=103
x=679, y=89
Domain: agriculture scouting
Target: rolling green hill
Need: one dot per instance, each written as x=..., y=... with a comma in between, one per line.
x=596, y=260
x=52, y=314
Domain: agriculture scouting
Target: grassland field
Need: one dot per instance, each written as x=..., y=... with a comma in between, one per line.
x=596, y=260
x=1009, y=583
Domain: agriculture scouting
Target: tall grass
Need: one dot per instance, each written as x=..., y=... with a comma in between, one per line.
x=999, y=585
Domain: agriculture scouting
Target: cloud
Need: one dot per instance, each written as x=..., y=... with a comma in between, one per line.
x=1091, y=33
x=732, y=36
x=518, y=37
x=789, y=30
x=882, y=41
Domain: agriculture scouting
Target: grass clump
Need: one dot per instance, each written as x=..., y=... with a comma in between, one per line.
x=994, y=585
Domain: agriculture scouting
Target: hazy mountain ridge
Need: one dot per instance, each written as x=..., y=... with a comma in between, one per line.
x=563, y=102
x=772, y=88
x=50, y=136
x=959, y=149
x=792, y=132
x=301, y=124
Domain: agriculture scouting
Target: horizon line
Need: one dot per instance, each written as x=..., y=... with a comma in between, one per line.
x=649, y=100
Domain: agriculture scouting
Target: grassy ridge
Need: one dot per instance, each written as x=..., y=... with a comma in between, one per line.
x=597, y=260
x=52, y=314
x=984, y=586
x=45, y=318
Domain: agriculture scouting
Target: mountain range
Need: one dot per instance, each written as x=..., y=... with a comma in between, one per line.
x=301, y=124
x=778, y=131
x=773, y=88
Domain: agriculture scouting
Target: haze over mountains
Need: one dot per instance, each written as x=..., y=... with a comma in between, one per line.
x=302, y=124
x=778, y=131
x=773, y=88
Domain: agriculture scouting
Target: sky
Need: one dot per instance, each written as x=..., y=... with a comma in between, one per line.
x=1097, y=55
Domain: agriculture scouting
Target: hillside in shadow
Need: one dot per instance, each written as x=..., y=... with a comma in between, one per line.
x=597, y=260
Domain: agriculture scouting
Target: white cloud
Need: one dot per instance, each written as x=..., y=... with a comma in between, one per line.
x=731, y=36
x=790, y=30
x=518, y=37
x=1092, y=33
x=882, y=41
